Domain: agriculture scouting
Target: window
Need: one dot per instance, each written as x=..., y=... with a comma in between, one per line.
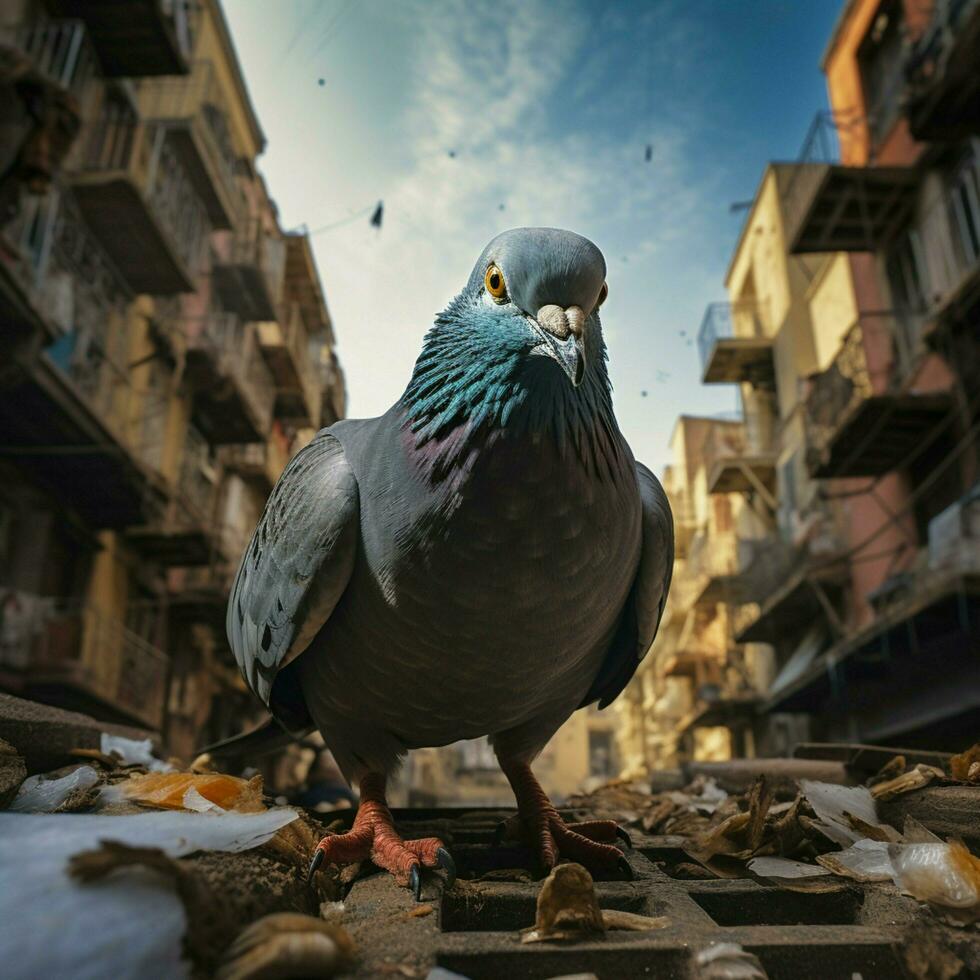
x=881, y=65
x=601, y=754
x=905, y=269
x=964, y=208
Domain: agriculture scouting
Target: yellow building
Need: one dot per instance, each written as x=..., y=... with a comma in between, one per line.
x=166, y=346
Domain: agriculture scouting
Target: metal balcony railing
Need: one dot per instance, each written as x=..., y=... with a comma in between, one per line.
x=119, y=141
x=184, y=99
x=236, y=354
x=725, y=320
x=76, y=288
x=59, y=49
x=930, y=54
x=853, y=377
x=81, y=647
x=253, y=246
x=723, y=442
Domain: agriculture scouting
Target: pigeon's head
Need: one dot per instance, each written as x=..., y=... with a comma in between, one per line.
x=519, y=349
x=540, y=290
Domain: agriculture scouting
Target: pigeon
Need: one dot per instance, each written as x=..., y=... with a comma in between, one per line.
x=483, y=559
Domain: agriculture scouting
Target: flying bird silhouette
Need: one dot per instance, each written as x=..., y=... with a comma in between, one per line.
x=483, y=559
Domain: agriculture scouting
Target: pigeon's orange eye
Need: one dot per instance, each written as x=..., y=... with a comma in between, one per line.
x=494, y=281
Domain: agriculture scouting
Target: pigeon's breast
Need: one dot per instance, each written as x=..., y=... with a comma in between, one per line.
x=479, y=606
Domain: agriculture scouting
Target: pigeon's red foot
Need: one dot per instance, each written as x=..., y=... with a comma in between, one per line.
x=539, y=824
x=373, y=836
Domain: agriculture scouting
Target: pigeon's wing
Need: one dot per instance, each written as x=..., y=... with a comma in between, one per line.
x=645, y=605
x=297, y=565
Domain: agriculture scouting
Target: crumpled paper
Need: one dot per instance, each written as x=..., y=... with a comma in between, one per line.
x=129, y=926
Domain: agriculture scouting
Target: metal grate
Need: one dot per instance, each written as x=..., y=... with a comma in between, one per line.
x=840, y=930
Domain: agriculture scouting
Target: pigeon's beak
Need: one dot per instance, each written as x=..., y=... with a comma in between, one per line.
x=562, y=333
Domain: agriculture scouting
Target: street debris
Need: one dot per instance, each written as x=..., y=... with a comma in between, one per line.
x=287, y=944
x=13, y=771
x=945, y=875
x=132, y=752
x=62, y=794
x=966, y=766
x=201, y=792
x=195, y=873
x=728, y=961
x=568, y=909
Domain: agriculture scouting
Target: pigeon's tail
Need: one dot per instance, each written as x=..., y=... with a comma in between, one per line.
x=267, y=738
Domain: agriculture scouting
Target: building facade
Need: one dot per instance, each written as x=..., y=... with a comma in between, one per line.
x=165, y=347
x=852, y=330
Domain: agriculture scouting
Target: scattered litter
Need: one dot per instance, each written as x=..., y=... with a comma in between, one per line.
x=195, y=791
x=914, y=832
x=332, y=911
x=947, y=875
x=13, y=771
x=633, y=921
x=917, y=777
x=128, y=928
x=568, y=909
x=776, y=867
x=865, y=860
x=567, y=906
x=964, y=766
x=40, y=794
x=132, y=752
x=288, y=944
x=727, y=961
x=840, y=809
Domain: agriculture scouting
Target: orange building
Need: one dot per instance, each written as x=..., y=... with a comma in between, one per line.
x=895, y=416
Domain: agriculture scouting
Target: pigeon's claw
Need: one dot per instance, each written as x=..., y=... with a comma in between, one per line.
x=373, y=838
x=590, y=843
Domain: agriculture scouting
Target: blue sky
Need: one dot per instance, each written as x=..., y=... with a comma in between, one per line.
x=547, y=108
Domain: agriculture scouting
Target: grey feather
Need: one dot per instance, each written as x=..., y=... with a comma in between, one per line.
x=297, y=565
x=644, y=607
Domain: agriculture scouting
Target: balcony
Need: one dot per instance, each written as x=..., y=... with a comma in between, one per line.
x=82, y=659
x=733, y=467
x=910, y=677
x=943, y=94
x=58, y=49
x=64, y=411
x=137, y=196
x=233, y=390
x=810, y=588
x=286, y=349
x=183, y=532
x=859, y=419
x=712, y=562
x=138, y=37
x=303, y=284
x=194, y=110
x=733, y=347
x=260, y=462
x=249, y=275
x=832, y=208
x=201, y=593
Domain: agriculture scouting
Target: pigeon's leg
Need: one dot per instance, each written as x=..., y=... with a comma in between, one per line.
x=550, y=836
x=373, y=836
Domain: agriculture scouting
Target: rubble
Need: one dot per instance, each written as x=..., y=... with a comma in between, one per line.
x=194, y=871
x=13, y=771
x=288, y=945
x=568, y=909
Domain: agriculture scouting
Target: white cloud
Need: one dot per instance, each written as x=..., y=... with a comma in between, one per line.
x=551, y=124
